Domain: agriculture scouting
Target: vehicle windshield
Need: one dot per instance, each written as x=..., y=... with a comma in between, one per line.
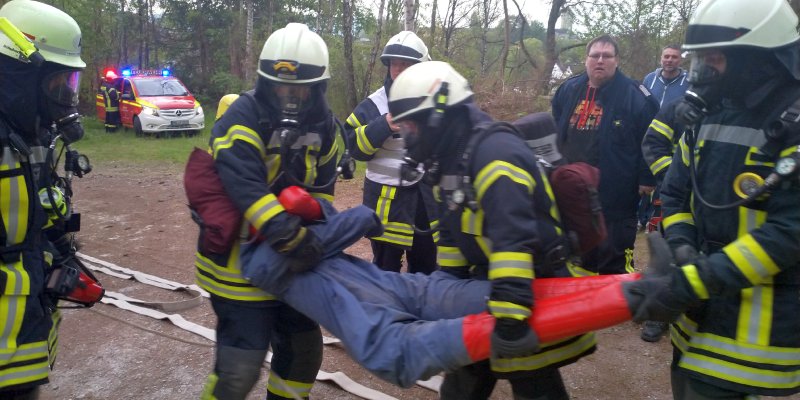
x=160, y=87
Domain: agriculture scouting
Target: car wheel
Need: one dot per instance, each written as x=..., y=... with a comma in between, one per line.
x=137, y=127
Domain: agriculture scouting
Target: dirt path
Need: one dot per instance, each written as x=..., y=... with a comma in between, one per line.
x=138, y=219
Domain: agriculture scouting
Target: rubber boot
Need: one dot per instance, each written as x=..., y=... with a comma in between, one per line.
x=556, y=317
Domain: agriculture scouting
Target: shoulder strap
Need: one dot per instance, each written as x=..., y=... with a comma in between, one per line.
x=783, y=130
x=263, y=117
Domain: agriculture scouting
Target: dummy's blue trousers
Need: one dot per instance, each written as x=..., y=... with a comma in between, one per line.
x=401, y=327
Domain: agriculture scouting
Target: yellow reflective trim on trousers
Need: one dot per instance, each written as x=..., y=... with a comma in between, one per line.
x=662, y=128
x=227, y=282
x=679, y=218
x=23, y=352
x=552, y=196
x=447, y=256
x=323, y=196
x=506, y=309
x=362, y=141
x=510, y=265
x=14, y=199
x=239, y=132
x=691, y=274
x=498, y=169
x=436, y=233
x=385, y=202
x=751, y=259
x=263, y=210
x=287, y=388
x=208, y=389
x=546, y=357
x=12, y=310
x=52, y=338
x=660, y=164
x=741, y=374
x=755, y=315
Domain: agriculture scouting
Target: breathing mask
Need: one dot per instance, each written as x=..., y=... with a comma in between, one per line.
x=706, y=86
x=60, y=101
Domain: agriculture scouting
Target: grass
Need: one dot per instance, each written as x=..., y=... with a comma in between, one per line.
x=123, y=147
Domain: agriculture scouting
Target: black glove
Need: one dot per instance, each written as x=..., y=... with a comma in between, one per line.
x=685, y=254
x=663, y=293
x=302, y=247
x=512, y=338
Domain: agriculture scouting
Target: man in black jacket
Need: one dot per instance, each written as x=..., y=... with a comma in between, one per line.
x=602, y=116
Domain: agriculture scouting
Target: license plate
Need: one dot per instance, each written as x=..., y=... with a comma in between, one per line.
x=179, y=123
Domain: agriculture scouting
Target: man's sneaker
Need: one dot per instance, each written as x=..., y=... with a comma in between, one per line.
x=653, y=330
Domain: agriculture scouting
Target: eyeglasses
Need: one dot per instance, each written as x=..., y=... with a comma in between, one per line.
x=599, y=56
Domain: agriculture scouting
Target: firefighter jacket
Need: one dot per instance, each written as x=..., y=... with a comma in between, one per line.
x=511, y=236
x=110, y=97
x=628, y=109
x=254, y=166
x=394, y=201
x=746, y=337
x=28, y=321
x=660, y=140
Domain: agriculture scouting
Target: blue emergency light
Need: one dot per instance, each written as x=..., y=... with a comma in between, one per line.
x=126, y=72
x=164, y=72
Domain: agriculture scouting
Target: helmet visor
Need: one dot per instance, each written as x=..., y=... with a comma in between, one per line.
x=292, y=99
x=706, y=66
x=62, y=87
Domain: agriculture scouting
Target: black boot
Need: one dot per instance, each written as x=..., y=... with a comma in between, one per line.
x=653, y=330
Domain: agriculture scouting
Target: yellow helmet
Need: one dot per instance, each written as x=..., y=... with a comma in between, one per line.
x=224, y=103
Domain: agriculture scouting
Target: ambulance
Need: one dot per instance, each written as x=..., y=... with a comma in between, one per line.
x=155, y=103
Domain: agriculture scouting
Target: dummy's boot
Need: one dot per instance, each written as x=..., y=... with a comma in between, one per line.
x=654, y=330
x=586, y=308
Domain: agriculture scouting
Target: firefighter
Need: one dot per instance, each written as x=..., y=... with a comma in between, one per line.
x=498, y=221
x=731, y=215
x=281, y=133
x=111, y=101
x=40, y=66
x=400, y=204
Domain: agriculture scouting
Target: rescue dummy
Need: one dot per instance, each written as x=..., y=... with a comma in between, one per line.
x=406, y=327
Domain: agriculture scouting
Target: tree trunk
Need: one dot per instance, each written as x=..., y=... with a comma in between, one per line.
x=506, y=44
x=248, y=43
x=409, y=24
x=432, y=40
x=550, y=55
x=349, y=74
x=376, y=46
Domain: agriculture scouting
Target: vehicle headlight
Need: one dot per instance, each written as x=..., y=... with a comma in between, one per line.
x=200, y=111
x=150, y=111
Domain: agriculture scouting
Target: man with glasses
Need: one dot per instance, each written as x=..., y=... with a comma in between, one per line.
x=602, y=116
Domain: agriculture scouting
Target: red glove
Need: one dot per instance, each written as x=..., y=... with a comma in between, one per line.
x=298, y=202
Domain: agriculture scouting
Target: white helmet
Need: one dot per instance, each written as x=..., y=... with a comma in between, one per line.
x=406, y=45
x=766, y=24
x=427, y=86
x=295, y=55
x=55, y=34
